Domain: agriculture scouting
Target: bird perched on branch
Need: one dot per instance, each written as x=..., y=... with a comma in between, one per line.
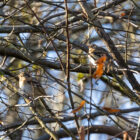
x=95, y=52
x=31, y=88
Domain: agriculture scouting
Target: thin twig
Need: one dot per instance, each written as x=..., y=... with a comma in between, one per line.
x=19, y=127
x=46, y=35
x=68, y=62
x=138, y=128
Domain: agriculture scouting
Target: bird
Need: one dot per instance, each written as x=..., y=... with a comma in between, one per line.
x=95, y=52
x=30, y=88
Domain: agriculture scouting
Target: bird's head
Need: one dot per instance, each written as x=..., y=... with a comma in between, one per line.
x=91, y=48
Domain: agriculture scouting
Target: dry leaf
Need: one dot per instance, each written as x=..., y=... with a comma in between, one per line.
x=81, y=133
x=110, y=110
x=81, y=85
x=101, y=60
x=125, y=135
x=100, y=65
x=99, y=71
x=1, y=122
x=79, y=108
x=122, y=14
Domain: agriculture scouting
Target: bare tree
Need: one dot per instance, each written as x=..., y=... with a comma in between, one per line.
x=69, y=69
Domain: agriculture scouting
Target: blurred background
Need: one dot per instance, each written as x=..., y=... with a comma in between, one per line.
x=49, y=41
